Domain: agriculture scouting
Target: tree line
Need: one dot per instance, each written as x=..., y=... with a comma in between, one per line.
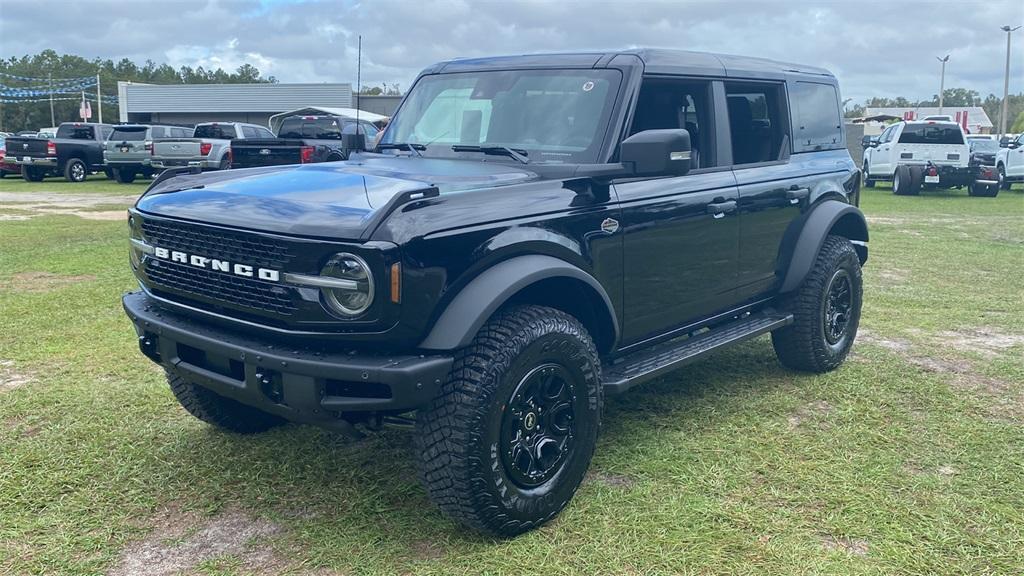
x=25, y=115
x=955, y=97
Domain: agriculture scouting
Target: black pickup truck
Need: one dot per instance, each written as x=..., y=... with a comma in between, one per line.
x=530, y=234
x=75, y=152
x=301, y=140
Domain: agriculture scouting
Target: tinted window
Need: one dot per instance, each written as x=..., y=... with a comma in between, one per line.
x=313, y=127
x=817, y=124
x=215, y=131
x=755, y=122
x=264, y=133
x=181, y=132
x=931, y=134
x=157, y=132
x=249, y=132
x=674, y=104
x=128, y=134
x=76, y=132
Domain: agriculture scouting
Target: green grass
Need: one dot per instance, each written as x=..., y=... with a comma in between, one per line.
x=96, y=183
x=890, y=465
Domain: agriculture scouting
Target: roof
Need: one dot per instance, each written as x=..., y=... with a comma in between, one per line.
x=276, y=119
x=655, y=60
x=976, y=115
x=149, y=98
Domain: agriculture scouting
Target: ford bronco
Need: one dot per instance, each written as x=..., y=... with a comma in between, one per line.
x=529, y=235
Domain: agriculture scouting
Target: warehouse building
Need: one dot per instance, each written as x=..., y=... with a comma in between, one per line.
x=188, y=104
x=972, y=118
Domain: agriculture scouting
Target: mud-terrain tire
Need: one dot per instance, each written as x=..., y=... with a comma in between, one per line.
x=124, y=175
x=75, y=170
x=508, y=439
x=869, y=182
x=32, y=174
x=826, y=311
x=982, y=190
x=222, y=412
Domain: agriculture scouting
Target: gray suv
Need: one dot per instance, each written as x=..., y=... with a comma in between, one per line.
x=129, y=150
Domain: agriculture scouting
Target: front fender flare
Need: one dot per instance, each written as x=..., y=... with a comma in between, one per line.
x=482, y=297
x=826, y=217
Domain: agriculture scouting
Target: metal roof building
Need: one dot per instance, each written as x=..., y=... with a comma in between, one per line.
x=193, y=103
x=972, y=118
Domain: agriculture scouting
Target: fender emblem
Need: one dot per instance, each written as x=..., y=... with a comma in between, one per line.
x=610, y=225
x=264, y=151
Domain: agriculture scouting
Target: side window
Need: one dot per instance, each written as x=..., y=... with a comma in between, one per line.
x=674, y=104
x=756, y=122
x=107, y=131
x=368, y=129
x=156, y=132
x=887, y=135
x=817, y=124
x=264, y=133
x=249, y=132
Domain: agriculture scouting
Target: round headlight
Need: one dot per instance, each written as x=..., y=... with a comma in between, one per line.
x=353, y=300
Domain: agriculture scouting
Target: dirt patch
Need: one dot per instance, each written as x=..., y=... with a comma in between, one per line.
x=43, y=281
x=10, y=378
x=426, y=550
x=986, y=341
x=612, y=480
x=90, y=207
x=812, y=411
x=893, y=276
x=854, y=546
x=894, y=344
x=183, y=540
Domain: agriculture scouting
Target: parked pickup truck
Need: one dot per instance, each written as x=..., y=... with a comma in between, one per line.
x=301, y=140
x=129, y=150
x=75, y=152
x=209, y=148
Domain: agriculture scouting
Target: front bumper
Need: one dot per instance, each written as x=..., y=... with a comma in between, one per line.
x=306, y=385
x=203, y=163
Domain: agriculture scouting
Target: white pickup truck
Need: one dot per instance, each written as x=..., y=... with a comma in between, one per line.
x=926, y=154
x=1010, y=162
x=208, y=149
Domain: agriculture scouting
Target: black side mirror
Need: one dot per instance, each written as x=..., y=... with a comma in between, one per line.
x=1013, y=145
x=657, y=152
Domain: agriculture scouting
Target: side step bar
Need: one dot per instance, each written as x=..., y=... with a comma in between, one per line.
x=658, y=360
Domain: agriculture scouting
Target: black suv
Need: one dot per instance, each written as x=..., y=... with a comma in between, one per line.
x=530, y=234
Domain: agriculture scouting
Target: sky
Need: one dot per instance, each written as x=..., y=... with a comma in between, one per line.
x=875, y=48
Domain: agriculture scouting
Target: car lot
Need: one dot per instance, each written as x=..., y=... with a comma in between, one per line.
x=906, y=460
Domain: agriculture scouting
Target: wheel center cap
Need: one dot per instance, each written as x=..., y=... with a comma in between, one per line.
x=530, y=421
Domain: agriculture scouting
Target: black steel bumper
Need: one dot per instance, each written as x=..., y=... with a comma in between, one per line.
x=304, y=385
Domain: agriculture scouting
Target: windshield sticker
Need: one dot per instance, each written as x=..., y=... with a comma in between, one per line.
x=588, y=86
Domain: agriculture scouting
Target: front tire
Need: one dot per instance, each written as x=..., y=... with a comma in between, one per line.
x=507, y=441
x=826, y=311
x=218, y=410
x=75, y=170
x=869, y=182
x=1004, y=184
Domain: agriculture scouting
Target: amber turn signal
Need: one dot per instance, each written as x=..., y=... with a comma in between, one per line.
x=396, y=282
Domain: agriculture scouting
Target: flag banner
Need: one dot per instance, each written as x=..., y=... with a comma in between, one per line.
x=47, y=80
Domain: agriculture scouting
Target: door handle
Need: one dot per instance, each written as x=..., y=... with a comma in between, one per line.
x=720, y=209
x=795, y=195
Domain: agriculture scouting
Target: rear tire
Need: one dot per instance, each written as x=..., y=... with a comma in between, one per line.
x=826, y=311
x=218, y=410
x=509, y=438
x=124, y=175
x=75, y=170
x=982, y=190
x=225, y=163
x=1003, y=182
x=31, y=174
x=902, y=181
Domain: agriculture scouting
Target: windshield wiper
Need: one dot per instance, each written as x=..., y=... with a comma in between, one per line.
x=520, y=155
x=414, y=148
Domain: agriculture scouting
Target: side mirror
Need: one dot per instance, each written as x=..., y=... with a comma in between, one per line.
x=1013, y=145
x=657, y=152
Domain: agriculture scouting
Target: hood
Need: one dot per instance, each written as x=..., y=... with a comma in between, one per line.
x=336, y=200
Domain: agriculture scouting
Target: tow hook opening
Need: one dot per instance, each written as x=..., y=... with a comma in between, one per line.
x=149, y=344
x=270, y=385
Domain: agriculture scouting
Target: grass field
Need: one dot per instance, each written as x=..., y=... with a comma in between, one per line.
x=907, y=460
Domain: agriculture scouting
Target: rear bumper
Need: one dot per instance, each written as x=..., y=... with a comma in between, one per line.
x=203, y=163
x=127, y=162
x=303, y=385
x=31, y=161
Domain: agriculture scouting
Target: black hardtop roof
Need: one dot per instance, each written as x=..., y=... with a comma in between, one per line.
x=655, y=60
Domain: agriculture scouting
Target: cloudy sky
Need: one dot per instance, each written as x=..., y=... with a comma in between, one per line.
x=884, y=48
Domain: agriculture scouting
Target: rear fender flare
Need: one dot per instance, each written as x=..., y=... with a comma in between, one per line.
x=808, y=234
x=486, y=293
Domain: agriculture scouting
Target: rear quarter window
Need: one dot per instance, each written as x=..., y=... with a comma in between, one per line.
x=817, y=123
x=931, y=134
x=73, y=132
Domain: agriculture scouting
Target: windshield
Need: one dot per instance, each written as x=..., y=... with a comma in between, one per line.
x=985, y=145
x=931, y=134
x=552, y=115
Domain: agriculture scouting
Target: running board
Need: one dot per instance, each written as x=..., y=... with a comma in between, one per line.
x=658, y=360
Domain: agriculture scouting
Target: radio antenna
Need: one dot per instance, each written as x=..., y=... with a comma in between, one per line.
x=359, y=78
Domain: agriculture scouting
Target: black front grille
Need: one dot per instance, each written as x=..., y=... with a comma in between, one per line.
x=238, y=247
x=234, y=290
x=235, y=247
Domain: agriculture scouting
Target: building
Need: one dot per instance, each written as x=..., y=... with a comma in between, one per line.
x=189, y=104
x=972, y=118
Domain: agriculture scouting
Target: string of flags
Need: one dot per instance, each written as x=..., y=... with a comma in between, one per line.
x=47, y=80
x=36, y=91
x=106, y=99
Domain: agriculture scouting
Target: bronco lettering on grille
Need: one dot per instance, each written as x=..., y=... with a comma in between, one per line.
x=243, y=270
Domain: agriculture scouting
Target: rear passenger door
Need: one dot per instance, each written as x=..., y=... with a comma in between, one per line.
x=679, y=255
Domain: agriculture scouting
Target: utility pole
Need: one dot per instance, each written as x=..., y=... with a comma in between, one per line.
x=99, y=99
x=53, y=121
x=942, y=81
x=1006, y=81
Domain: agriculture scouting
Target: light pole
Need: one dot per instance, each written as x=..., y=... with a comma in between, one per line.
x=942, y=81
x=1006, y=81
